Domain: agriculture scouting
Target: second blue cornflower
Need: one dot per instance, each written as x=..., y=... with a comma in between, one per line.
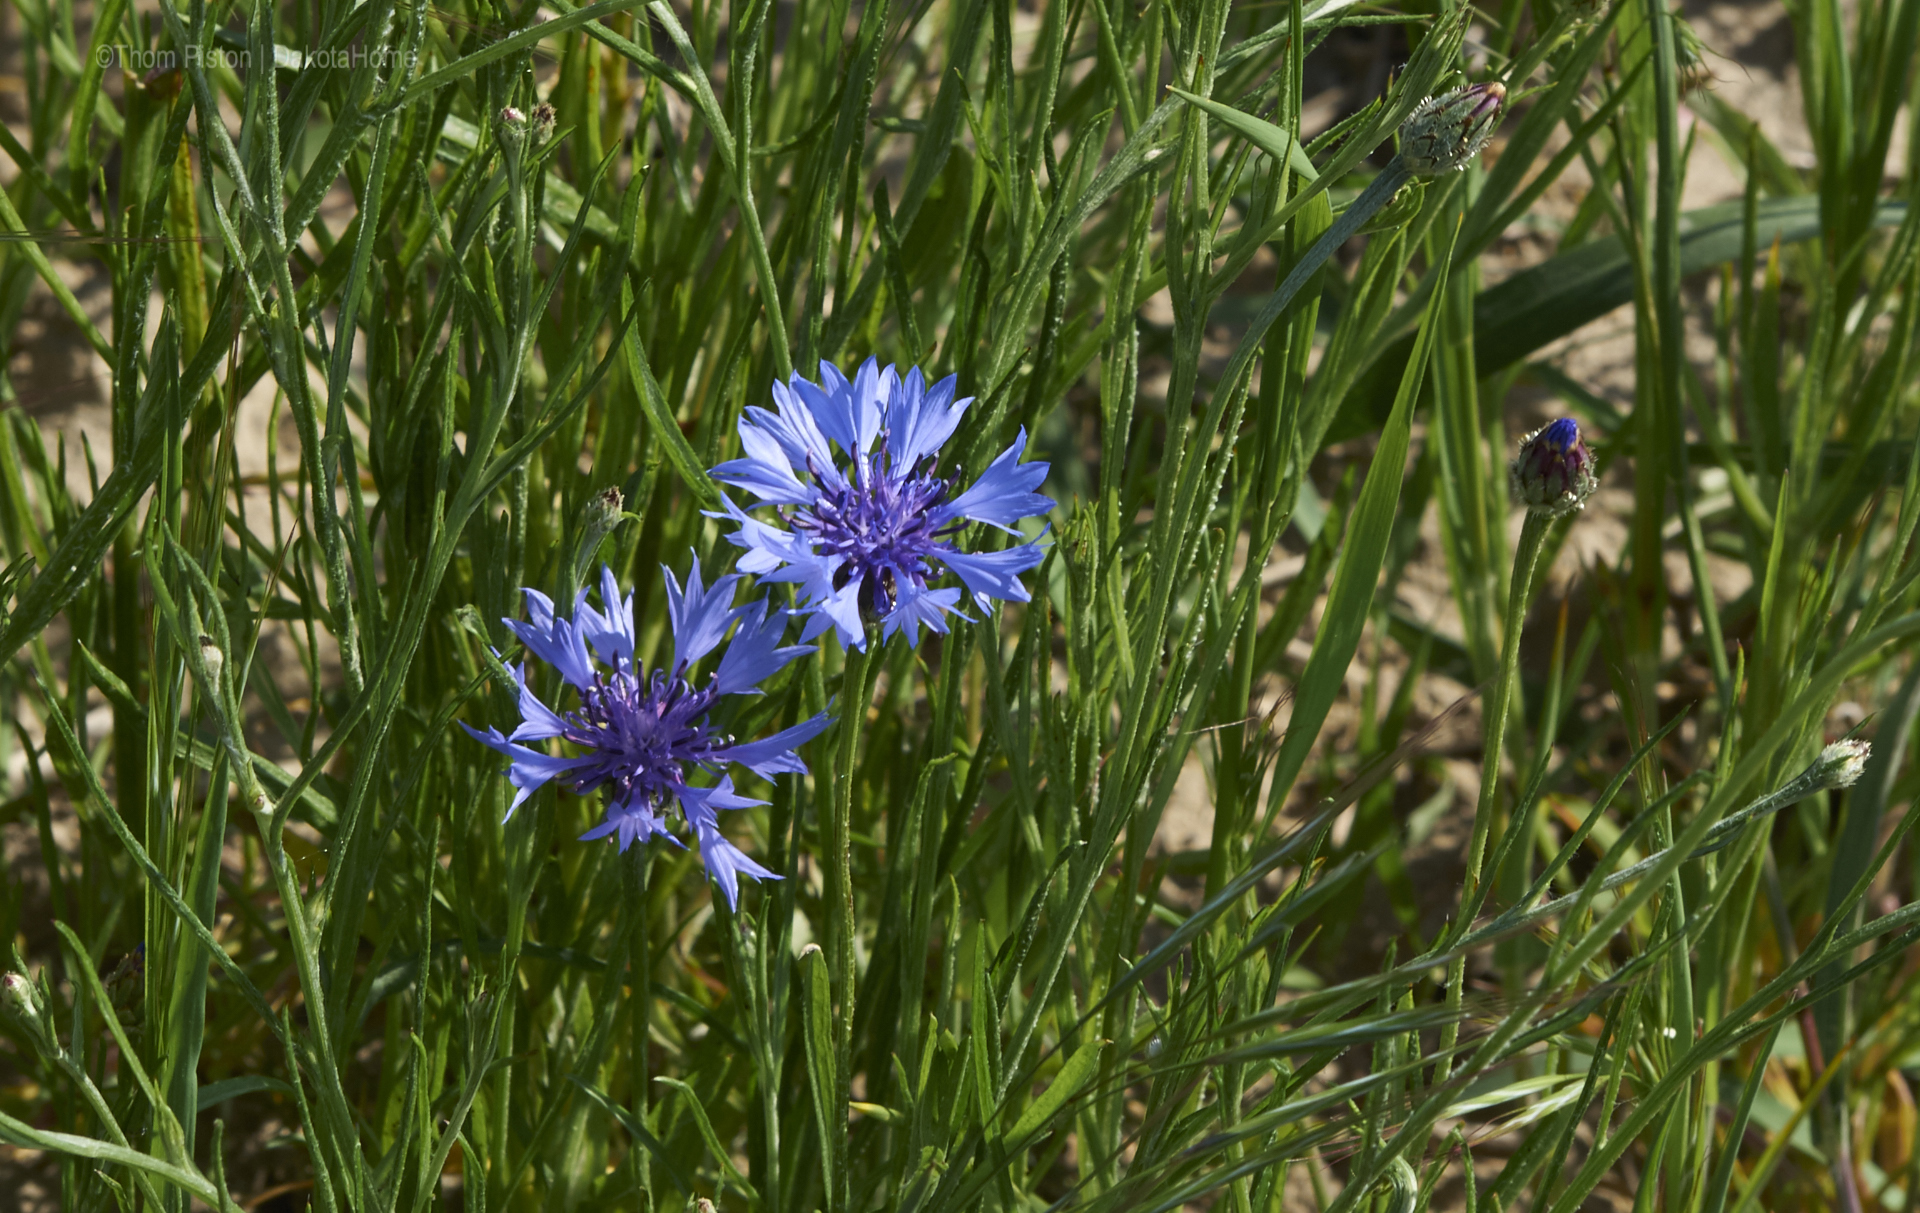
x=643, y=736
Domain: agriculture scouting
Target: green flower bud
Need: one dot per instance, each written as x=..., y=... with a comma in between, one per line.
x=1553, y=473
x=215, y=659
x=1841, y=764
x=18, y=998
x=20, y=1001
x=1447, y=131
x=603, y=513
x=598, y=517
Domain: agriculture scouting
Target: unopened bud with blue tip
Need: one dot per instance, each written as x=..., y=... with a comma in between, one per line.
x=1553, y=473
x=1446, y=132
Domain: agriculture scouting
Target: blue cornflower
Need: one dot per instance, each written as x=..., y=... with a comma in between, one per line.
x=866, y=532
x=640, y=735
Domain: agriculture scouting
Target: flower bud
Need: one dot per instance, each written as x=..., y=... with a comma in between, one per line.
x=603, y=513
x=1447, y=131
x=511, y=116
x=544, y=118
x=1553, y=473
x=215, y=659
x=598, y=517
x=21, y=1001
x=18, y=995
x=1841, y=764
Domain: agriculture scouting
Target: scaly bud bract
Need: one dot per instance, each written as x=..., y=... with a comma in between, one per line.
x=1445, y=132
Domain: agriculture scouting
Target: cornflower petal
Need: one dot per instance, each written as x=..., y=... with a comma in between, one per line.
x=755, y=653
x=917, y=606
x=700, y=616
x=767, y=547
x=870, y=402
x=766, y=472
x=706, y=800
x=619, y=615
x=610, y=634
x=839, y=611
x=920, y=419
x=537, y=721
x=799, y=564
x=725, y=863
x=991, y=575
x=553, y=641
x=829, y=403
x=633, y=823
x=591, y=624
x=530, y=769
x=539, y=609
x=799, y=433
x=1004, y=493
x=770, y=756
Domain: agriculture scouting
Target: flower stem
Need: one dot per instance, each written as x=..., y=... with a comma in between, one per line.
x=856, y=691
x=1380, y=191
x=1533, y=535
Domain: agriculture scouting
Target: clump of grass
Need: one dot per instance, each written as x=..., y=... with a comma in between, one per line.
x=512, y=277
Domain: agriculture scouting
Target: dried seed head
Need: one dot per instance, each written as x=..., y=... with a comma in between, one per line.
x=1553, y=473
x=1690, y=57
x=1445, y=132
x=544, y=118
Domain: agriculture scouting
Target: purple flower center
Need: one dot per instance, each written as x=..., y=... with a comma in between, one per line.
x=880, y=527
x=642, y=736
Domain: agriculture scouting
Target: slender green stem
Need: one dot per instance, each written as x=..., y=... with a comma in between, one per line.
x=1533, y=535
x=855, y=691
x=1378, y=193
x=1498, y=706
